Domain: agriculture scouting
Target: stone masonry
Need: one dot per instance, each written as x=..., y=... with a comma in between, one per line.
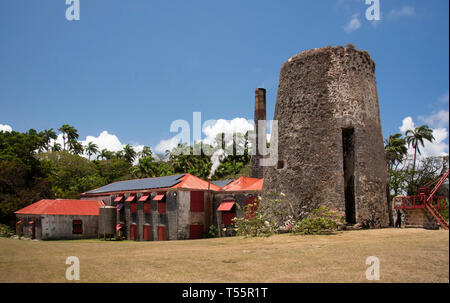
x=330, y=145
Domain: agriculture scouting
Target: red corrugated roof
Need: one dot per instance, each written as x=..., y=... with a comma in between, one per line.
x=226, y=206
x=189, y=181
x=63, y=207
x=244, y=184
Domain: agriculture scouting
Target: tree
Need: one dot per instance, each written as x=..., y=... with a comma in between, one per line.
x=415, y=138
x=114, y=169
x=46, y=136
x=76, y=148
x=65, y=129
x=56, y=147
x=91, y=149
x=105, y=154
x=23, y=178
x=70, y=174
x=146, y=152
x=396, y=150
x=129, y=154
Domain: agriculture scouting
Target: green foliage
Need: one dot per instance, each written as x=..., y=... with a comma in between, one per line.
x=113, y=169
x=213, y=232
x=444, y=213
x=70, y=174
x=275, y=214
x=264, y=217
x=396, y=150
x=6, y=231
x=23, y=178
x=33, y=166
x=320, y=221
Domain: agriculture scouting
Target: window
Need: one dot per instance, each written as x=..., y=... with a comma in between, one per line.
x=133, y=228
x=161, y=207
x=250, y=211
x=196, y=231
x=280, y=164
x=161, y=198
x=162, y=233
x=147, y=208
x=197, y=201
x=133, y=207
x=77, y=226
x=147, y=232
x=227, y=217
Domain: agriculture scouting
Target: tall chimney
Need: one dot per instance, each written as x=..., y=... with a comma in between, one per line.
x=260, y=114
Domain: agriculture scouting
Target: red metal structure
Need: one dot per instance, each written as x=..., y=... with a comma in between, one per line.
x=426, y=199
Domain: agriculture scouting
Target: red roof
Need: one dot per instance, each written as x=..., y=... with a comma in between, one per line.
x=144, y=198
x=62, y=207
x=244, y=184
x=189, y=181
x=158, y=197
x=130, y=198
x=226, y=206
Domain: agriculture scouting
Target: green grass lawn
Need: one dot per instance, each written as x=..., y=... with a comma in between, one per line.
x=406, y=255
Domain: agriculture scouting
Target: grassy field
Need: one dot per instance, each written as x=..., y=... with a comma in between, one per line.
x=406, y=255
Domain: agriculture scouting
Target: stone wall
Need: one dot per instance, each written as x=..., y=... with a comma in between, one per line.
x=58, y=227
x=325, y=95
x=420, y=218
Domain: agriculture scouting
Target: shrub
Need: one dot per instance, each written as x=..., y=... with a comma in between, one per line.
x=320, y=221
x=6, y=231
x=213, y=232
x=264, y=217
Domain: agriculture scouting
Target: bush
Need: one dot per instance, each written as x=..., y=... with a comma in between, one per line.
x=6, y=231
x=320, y=221
x=260, y=219
x=276, y=214
x=213, y=232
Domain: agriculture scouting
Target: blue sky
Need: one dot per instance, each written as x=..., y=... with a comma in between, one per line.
x=132, y=67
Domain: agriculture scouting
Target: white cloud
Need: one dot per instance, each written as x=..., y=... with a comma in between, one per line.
x=237, y=125
x=104, y=141
x=353, y=24
x=5, y=128
x=407, y=123
x=210, y=131
x=430, y=149
x=439, y=119
x=168, y=144
x=405, y=11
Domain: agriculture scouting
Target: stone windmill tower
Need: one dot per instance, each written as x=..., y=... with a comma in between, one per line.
x=330, y=145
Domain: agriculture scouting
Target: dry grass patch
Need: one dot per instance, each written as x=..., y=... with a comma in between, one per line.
x=406, y=255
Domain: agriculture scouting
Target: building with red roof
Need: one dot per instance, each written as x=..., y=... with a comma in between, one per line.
x=231, y=200
x=161, y=208
x=59, y=219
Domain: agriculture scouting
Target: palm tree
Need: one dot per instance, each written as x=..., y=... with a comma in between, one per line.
x=129, y=154
x=70, y=135
x=76, y=148
x=56, y=147
x=118, y=154
x=91, y=149
x=105, y=154
x=146, y=152
x=415, y=138
x=44, y=139
x=396, y=150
